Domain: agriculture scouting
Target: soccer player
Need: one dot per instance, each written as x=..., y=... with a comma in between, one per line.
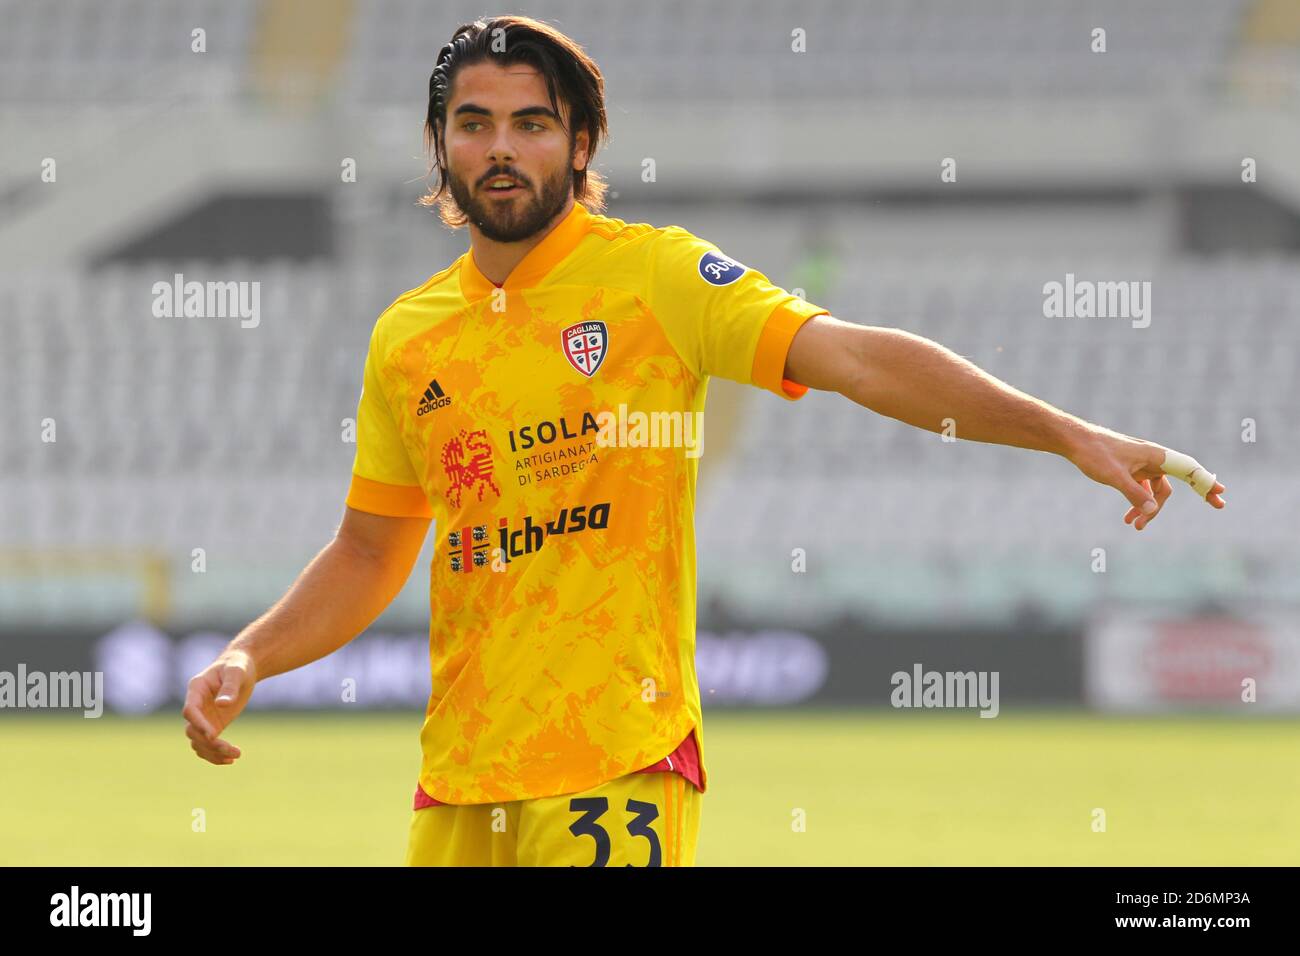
x=501, y=399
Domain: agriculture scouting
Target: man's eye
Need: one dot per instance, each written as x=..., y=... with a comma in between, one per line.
x=471, y=123
x=534, y=123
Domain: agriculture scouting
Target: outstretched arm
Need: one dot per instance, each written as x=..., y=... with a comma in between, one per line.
x=922, y=383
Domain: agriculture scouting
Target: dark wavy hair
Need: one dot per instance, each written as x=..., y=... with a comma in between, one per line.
x=570, y=75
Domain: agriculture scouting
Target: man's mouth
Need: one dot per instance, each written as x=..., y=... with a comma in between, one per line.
x=502, y=186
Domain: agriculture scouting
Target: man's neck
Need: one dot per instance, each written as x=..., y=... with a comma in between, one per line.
x=496, y=260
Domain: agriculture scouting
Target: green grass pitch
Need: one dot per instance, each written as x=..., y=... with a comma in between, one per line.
x=873, y=788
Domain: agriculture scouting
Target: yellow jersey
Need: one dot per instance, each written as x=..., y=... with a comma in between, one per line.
x=551, y=427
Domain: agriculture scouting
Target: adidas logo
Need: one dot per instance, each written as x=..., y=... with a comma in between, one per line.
x=434, y=398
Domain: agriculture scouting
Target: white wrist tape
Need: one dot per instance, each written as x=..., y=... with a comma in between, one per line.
x=1188, y=469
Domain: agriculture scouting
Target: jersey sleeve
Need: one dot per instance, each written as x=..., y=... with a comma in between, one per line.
x=723, y=317
x=384, y=481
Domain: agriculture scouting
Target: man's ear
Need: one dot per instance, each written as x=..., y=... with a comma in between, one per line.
x=580, y=143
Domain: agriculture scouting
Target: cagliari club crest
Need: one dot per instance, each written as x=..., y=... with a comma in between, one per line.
x=585, y=345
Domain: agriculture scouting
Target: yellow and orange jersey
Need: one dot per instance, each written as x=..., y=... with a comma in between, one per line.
x=551, y=428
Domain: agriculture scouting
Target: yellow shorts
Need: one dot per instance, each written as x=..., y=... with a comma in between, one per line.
x=642, y=819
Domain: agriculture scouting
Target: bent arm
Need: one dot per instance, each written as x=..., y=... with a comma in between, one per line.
x=344, y=588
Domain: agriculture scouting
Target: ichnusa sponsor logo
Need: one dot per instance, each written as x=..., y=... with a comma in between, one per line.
x=468, y=547
x=531, y=537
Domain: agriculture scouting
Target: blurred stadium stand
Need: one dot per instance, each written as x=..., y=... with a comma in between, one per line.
x=127, y=51
x=680, y=49
x=184, y=433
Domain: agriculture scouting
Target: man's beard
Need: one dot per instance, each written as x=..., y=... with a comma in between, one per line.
x=517, y=219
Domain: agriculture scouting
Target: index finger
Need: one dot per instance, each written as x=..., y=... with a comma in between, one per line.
x=1188, y=469
x=193, y=713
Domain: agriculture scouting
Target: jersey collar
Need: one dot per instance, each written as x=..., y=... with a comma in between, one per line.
x=541, y=259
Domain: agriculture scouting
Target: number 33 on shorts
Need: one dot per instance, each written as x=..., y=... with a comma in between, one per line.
x=642, y=819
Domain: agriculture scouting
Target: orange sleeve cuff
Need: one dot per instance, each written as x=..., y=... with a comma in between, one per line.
x=395, y=501
x=774, y=343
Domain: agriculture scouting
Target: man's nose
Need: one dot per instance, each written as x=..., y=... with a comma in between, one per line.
x=502, y=149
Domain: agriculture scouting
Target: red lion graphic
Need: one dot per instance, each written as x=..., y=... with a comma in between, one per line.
x=467, y=460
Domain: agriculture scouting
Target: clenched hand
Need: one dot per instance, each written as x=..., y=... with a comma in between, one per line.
x=215, y=697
